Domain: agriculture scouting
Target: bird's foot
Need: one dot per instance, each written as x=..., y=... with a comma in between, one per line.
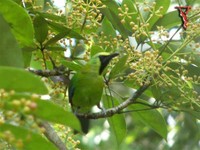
x=102, y=109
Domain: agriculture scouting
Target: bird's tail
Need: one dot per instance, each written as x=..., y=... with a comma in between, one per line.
x=85, y=123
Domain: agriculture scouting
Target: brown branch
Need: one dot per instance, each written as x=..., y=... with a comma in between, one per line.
x=116, y=110
x=47, y=73
x=52, y=136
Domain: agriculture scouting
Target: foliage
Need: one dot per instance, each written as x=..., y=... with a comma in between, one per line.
x=42, y=47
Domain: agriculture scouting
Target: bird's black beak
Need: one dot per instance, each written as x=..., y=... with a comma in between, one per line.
x=105, y=59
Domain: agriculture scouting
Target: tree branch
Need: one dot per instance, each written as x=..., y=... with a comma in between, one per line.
x=116, y=110
x=52, y=136
x=47, y=73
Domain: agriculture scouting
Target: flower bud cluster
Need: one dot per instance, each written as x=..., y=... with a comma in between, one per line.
x=148, y=65
x=84, y=14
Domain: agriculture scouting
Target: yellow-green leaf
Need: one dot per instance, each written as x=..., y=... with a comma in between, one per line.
x=21, y=80
x=51, y=112
x=117, y=122
x=19, y=21
x=10, y=53
x=41, y=28
x=31, y=140
x=151, y=118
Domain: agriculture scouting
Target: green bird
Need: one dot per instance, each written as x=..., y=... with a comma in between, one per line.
x=86, y=86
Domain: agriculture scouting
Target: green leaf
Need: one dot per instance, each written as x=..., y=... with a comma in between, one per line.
x=112, y=15
x=56, y=48
x=31, y=140
x=30, y=49
x=167, y=95
x=108, y=29
x=95, y=49
x=174, y=45
x=118, y=126
x=191, y=2
x=21, y=81
x=27, y=58
x=73, y=65
x=112, y=5
x=45, y=110
x=51, y=112
x=119, y=66
x=63, y=34
x=64, y=31
x=197, y=39
x=19, y=21
x=165, y=4
x=156, y=92
x=197, y=88
x=131, y=9
x=17, y=1
x=53, y=17
x=195, y=114
x=10, y=53
x=117, y=122
x=169, y=20
x=41, y=28
x=151, y=118
x=36, y=64
x=191, y=108
x=193, y=70
x=39, y=3
x=130, y=83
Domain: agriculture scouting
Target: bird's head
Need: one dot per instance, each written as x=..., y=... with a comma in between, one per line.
x=104, y=58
